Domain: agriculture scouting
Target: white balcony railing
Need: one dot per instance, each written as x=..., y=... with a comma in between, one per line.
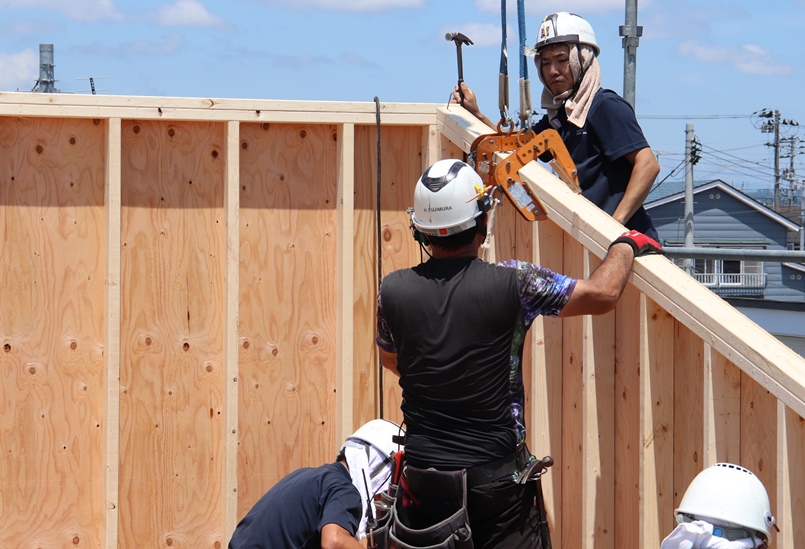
x=732, y=280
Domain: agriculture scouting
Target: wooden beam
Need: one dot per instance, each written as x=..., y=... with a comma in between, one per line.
x=112, y=344
x=656, y=454
x=175, y=108
x=345, y=299
x=598, y=410
x=545, y=421
x=430, y=145
x=231, y=294
x=775, y=366
x=459, y=126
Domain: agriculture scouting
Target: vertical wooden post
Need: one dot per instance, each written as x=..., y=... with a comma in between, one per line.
x=789, y=505
x=545, y=421
x=430, y=145
x=656, y=423
x=629, y=322
x=230, y=306
x=708, y=412
x=598, y=477
x=723, y=434
x=112, y=344
x=345, y=299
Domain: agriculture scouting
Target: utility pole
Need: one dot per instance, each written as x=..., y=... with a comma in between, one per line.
x=790, y=173
x=776, y=161
x=631, y=33
x=688, y=263
x=802, y=230
x=774, y=124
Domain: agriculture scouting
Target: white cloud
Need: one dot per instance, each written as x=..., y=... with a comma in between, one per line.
x=352, y=5
x=189, y=13
x=537, y=9
x=19, y=70
x=750, y=59
x=80, y=10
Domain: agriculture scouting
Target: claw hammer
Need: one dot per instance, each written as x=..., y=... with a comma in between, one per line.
x=459, y=39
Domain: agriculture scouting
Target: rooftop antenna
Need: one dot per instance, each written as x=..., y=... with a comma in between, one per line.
x=47, y=80
x=92, y=84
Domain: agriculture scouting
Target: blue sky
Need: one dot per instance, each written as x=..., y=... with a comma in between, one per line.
x=710, y=63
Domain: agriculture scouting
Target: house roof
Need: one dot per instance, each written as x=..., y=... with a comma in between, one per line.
x=796, y=266
x=673, y=193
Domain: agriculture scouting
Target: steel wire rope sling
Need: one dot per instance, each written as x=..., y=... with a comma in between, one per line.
x=503, y=76
x=521, y=146
x=525, y=84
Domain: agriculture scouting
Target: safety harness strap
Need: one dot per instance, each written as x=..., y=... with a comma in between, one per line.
x=503, y=77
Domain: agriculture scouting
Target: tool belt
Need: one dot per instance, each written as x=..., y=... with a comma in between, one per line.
x=428, y=508
x=431, y=510
x=509, y=465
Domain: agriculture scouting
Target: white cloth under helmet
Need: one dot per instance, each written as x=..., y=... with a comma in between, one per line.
x=368, y=452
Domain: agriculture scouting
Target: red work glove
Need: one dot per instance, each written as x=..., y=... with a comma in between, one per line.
x=640, y=243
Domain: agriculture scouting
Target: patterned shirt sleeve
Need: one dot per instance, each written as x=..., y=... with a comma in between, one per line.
x=383, y=337
x=542, y=291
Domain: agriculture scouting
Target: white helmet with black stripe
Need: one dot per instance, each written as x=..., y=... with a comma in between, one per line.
x=565, y=27
x=448, y=198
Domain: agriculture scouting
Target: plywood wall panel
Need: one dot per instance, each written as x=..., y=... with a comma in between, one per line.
x=51, y=332
x=401, y=164
x=172, y=234
x=287, y=383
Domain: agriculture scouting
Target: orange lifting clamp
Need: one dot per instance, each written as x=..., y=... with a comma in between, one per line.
x=526, y=146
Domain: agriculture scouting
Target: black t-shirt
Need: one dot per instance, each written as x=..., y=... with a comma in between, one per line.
x=292, y=513
x=610, y=132
x=458, y=327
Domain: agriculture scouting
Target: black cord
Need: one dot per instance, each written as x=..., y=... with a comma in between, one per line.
x=379, y=252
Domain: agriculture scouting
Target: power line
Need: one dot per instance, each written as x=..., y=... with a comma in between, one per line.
x=691, y=116
x=715, y=152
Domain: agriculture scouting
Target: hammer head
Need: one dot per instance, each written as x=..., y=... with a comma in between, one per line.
x=458, y=38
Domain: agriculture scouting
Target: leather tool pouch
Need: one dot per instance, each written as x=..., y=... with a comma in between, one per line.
x=430, y=511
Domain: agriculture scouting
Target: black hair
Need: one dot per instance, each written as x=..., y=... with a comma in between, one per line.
x=459, y=240
x=341, y=457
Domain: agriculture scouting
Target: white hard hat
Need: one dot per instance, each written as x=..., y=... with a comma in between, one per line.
x=565, y=27
x=728, y=495
x=447, y=199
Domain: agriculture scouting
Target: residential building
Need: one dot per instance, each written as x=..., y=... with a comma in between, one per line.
x=771, y=293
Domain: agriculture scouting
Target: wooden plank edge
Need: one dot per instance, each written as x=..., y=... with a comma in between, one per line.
x=345, y=299
x=112, y=297
x=459, y=126
x=229, y=472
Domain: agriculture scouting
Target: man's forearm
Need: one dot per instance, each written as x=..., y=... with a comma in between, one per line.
x=644, y=173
